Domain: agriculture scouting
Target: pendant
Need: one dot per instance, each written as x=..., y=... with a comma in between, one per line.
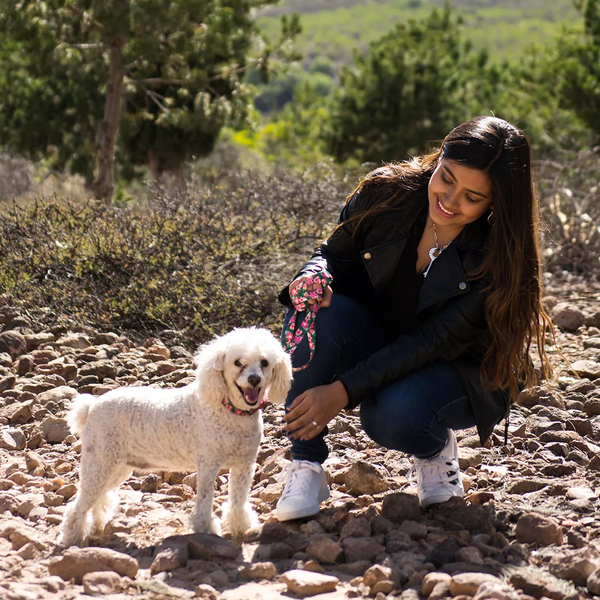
x=433, y=254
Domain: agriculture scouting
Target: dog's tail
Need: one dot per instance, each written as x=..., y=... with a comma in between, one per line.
x=79, y=412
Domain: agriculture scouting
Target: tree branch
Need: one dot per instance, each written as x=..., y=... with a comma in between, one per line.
x=82, y=15
x=98, y=46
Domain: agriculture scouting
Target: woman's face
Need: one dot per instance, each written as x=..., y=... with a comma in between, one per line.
x=458, y=194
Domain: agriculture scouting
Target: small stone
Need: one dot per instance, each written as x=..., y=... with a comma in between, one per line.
x=538, y=583
x=257, y=571
x=356, y=527
x=586, y=368
x=533, y=528
x=324, y=549
x=206, y=591
x=76, y=562
x=400, y=506
x=216, y=579
x=209, y=546
x=151, y=483
x=575, y=565
x=55, y=430
x=525, y=486
x=382, y=588
x=8, y=502
x=365, y=478
x=305, y=583
x=77, y=341
x=67, y=491
x=12, y=439
x=377, y=573
x=18, y=413
x=416, y=531
x=314, y=566
x=169, y=559
x=591, y=406
x=431, y=580
x=468, y=583
x=108, y=339
x=101, y=583
x=7, y=383
x=567, y=317
x=59, y=395
x=469, y=457
x=469, y=554
x=365, y=548
x=13, y=343
x=593, y=583
x=496, y=590
x=53, y=499
x=100, y=368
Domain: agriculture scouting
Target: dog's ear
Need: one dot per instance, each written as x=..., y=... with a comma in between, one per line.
x=210, y=361
x=282, y=379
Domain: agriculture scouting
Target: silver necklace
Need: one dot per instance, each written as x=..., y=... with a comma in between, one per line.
x=436, y=250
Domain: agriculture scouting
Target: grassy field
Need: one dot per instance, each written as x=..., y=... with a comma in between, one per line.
x=333, y=28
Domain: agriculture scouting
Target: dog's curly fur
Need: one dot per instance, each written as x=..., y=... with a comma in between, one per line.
x=185, y=429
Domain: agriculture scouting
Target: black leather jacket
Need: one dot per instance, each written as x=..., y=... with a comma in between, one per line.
x=450, y=321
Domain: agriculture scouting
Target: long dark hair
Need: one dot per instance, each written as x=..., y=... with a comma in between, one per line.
x=512, y=266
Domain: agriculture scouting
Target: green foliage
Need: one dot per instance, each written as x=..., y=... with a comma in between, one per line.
x=291, y=137
x=50, y=105
x=281, y=89
x=335, y=28
x=414, y=85
x=199, y=263
x=577, y=68
x=182, y=63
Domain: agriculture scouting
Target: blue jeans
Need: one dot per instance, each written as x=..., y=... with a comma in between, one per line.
x=412, y=415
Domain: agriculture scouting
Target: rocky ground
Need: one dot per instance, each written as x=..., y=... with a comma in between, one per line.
x=528, y=526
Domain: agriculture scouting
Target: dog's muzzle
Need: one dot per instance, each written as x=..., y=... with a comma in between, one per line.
x=250, y=395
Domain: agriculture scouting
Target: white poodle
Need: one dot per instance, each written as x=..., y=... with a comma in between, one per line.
x=208, y=425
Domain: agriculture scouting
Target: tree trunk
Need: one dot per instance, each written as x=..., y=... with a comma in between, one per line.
x=105, y=184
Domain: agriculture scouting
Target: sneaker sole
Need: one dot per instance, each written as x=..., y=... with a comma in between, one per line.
x=439, y=499
x=307, y=511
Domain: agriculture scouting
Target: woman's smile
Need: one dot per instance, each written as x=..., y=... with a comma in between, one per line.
x=443, y=211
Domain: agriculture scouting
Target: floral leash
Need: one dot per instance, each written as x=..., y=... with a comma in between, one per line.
x=300, y=295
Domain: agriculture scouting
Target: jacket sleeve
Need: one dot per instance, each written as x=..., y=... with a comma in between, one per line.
x=445, y=335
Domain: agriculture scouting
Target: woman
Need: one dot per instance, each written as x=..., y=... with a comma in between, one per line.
x=431, y=299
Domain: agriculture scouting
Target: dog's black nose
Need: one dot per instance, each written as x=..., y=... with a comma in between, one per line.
x=254, y=380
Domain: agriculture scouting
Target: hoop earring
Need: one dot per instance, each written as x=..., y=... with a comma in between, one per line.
x=490, y=216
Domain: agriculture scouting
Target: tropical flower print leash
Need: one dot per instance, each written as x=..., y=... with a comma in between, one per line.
x=300, y=295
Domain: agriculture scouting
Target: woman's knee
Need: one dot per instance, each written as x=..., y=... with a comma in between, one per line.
x=382, y=427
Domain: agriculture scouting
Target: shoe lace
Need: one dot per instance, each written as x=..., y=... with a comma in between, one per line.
x=432, y=471
x=298, y=475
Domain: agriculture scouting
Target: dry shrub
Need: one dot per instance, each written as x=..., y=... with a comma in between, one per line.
x=569, y=185
x=187, y=266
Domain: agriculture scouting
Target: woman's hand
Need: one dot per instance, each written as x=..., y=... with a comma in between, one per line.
x=324, y=300
x=318, y=405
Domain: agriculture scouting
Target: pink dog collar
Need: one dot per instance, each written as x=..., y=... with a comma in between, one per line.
x=238, y=411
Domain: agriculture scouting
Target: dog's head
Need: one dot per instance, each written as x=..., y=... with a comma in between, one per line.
x=243, y=366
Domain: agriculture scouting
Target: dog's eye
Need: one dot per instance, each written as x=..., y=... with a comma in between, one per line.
x=238, y=363
x=264, y=363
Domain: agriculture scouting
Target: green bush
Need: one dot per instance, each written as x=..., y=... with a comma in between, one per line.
x=187, y=266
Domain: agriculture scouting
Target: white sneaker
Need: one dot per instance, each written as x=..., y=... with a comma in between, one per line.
x=438, y=478
x=305, y=488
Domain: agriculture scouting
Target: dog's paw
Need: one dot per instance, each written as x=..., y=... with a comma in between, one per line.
x=238, y=520
x=211, y=525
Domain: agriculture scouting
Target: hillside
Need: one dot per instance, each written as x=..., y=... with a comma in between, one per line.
x=333, y=28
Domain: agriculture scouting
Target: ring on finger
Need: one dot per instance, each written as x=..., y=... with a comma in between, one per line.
x=314, y=423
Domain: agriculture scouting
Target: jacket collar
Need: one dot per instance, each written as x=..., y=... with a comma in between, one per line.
x=447, y=277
